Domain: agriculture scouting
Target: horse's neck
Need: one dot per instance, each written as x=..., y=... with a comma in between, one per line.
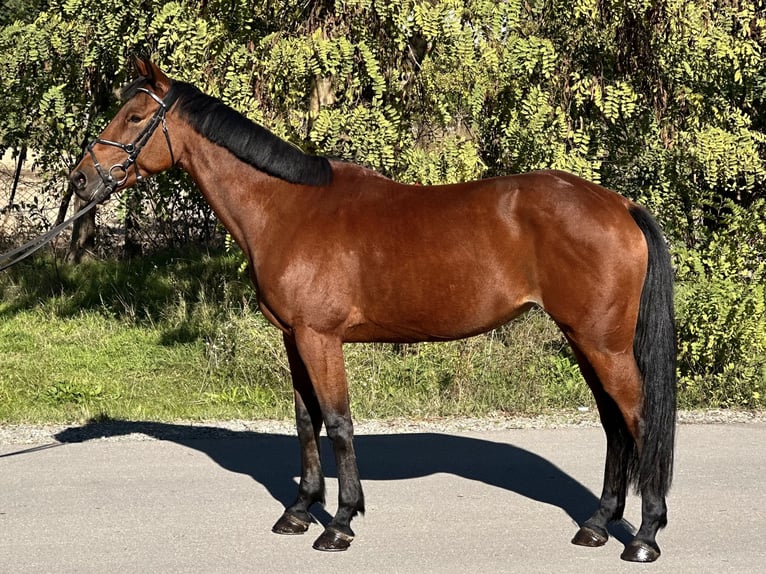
x=240, y=195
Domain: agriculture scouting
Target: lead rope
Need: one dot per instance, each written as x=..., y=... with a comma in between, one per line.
x=22, y=252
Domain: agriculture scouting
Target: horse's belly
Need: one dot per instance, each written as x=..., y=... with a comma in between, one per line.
x=439, y=315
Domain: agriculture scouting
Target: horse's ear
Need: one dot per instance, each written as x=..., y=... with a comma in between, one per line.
x=156, y=77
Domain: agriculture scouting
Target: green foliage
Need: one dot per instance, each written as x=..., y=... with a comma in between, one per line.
x=661, y=101
x=18, y=10
x=722, y=313
x=67, y=392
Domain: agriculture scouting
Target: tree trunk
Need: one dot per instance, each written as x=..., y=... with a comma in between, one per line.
x=17, y=173
x=83, y=240
x=64, y=206
x=132, y=245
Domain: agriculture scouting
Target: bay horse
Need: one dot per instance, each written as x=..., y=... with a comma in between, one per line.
x=339, y=254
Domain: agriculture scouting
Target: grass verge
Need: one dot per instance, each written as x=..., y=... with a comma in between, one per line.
x=178, y=336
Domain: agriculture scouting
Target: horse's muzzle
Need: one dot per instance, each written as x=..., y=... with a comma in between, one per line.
x=79, y=181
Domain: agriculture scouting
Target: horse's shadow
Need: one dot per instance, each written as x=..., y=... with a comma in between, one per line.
x=273, y=459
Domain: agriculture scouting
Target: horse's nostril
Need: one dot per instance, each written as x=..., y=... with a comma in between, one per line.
x=78, y=180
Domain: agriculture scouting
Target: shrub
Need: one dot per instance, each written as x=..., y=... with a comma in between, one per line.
x=721, y=302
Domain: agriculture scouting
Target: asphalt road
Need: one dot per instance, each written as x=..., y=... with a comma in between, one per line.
x=441, y=502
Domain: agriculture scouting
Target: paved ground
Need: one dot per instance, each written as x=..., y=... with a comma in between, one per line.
x=497, y=500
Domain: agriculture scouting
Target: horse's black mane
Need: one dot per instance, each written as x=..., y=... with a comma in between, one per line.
x=250, y=142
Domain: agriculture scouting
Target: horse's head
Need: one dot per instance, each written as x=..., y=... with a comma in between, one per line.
x=136, y=142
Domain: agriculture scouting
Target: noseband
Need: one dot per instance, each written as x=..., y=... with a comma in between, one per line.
x=116, y=175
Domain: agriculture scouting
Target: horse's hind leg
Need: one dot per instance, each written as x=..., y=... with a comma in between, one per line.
x=620, y=462
x=308, y=418
x=622, y=384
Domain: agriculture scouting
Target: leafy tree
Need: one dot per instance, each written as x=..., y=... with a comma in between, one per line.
x=661, y=100
x=13, y=10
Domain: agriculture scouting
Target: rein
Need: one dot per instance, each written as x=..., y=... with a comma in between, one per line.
x=22, y=252
x=111, y=183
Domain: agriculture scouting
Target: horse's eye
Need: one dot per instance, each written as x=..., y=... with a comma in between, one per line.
x=134, y=119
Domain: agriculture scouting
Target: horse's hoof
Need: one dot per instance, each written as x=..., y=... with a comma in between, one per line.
x=640, y=551
x=591, y=537
x=291, y=524
x=332, y=540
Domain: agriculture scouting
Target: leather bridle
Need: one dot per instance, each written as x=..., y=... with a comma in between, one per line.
x=116, y=175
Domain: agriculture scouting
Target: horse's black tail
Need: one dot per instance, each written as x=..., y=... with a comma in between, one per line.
x=654, y=347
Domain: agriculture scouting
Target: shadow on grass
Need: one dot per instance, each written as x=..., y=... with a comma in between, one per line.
x=140, y=290
x=119, y=286
x=273, y=460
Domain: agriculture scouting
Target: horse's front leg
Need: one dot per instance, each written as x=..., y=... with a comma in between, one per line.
x=323, y=357
x=308, y=419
